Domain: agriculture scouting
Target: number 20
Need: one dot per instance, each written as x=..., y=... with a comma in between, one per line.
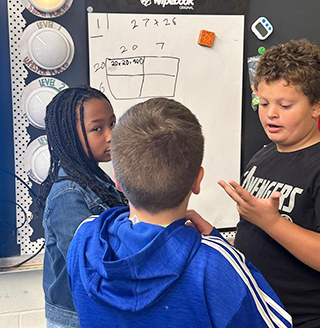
x=124, y=49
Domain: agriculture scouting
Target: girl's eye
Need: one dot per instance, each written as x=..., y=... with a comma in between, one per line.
x=98, y=128
x=263, y=104
x=285, y=106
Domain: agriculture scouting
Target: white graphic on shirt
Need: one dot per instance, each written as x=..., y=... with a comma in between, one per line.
x=263, y=188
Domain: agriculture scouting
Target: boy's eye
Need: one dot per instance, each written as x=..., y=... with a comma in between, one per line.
x=285, y=106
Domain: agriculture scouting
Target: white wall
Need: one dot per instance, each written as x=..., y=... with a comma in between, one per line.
x=22, y=300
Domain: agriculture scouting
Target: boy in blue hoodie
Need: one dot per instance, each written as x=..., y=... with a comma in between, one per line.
x=142, y=265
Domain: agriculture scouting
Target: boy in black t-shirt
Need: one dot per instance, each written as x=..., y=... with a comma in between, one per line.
x=279, y=201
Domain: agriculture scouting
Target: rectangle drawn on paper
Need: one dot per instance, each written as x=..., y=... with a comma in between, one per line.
x=142, y=77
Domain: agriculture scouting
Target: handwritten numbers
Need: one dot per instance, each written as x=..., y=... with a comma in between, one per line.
x=161, y=44
x=166, y=22
x=124, y=49
x=134, y=22
x=98, y=66
x=126, y=61
x=101, y=87
x=147, y=22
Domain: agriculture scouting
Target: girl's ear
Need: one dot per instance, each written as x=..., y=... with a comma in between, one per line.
x=115, y=180
x=196, y=185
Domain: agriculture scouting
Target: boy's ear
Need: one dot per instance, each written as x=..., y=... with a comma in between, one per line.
x=115, y=180
x=196, y=185
x=316, y=109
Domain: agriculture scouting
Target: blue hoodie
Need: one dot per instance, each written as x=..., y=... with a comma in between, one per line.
x=126, y=274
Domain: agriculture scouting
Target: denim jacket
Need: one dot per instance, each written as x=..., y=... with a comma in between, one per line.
x=68, y=204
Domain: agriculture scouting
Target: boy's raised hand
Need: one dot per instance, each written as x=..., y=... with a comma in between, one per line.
x=196, y=220
x=260, y=212
x=264, y=214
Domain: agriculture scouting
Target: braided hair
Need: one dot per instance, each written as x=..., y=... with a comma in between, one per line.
x=66, y=150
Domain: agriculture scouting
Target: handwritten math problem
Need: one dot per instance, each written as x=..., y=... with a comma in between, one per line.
x=147, y=22
x=138, y=75
x=119, y=62
x=134, y=57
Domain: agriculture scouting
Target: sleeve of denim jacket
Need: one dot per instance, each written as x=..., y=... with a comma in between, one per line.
x=68, y=209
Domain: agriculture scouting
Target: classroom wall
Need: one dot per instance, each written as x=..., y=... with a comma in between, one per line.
x=21, y=294
x=28, y=238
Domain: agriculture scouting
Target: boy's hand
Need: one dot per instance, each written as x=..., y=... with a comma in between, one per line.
x=195, y=220
x=260, y=212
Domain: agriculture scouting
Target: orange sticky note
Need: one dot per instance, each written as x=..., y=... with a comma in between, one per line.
x=206, y=38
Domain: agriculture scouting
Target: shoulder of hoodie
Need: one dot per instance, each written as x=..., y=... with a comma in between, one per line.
x=215, y=243
x=89, y=219
x=220, y=256
x=231, y=263
x=217, y=252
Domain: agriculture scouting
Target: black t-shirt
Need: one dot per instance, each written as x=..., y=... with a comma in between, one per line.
x=297, y=176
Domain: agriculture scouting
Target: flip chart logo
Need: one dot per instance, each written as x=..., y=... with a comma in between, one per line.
x=183, y=4
x=146, y=3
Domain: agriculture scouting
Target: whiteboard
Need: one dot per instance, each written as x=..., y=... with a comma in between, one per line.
x=134, y=57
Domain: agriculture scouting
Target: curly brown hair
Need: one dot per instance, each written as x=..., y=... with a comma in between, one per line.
x=297, y=62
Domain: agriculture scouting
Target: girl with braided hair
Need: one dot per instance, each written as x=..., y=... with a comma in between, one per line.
x=78, y=121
